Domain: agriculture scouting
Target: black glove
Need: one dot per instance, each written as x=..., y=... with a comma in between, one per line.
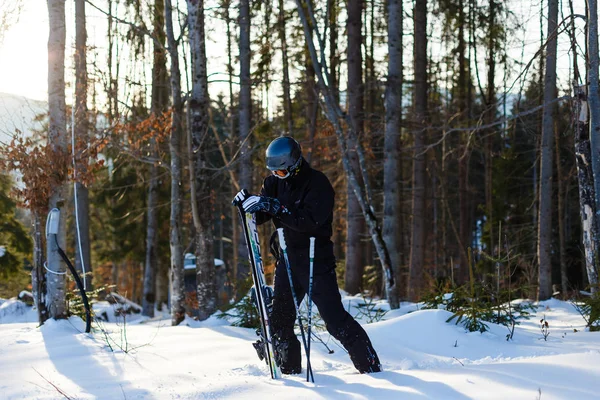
x=269, y=205
x=240, y=197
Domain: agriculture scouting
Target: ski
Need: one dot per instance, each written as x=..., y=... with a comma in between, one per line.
x=261, y=293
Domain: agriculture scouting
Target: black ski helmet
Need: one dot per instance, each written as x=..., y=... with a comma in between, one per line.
x=284, y=156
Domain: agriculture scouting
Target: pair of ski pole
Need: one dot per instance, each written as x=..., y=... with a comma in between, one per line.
x=283, y=246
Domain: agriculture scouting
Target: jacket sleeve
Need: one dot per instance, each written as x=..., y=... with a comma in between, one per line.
x=314, y=211
x=268, y=191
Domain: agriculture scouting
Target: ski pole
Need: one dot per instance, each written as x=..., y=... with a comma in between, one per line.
x=289, y=273
x=311, y=254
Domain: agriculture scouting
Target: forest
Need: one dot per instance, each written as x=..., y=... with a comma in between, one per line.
x=461, y=138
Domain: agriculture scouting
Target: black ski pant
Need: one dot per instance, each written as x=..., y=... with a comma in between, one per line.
x=326, y=296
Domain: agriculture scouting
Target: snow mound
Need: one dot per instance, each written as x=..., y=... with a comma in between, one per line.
x=15, y=311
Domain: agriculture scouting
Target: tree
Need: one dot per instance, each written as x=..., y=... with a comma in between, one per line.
x=335, y=116
x=175, y=147
x=287, y=100
x=593, y=63
x=57, y=139
x=417, y=248
x=354, y=222
x=202, y=201
x=83, y=263
x=392, y=233
x=244, y=135
x=159, y=103
x=15, y=244
x=545, y=212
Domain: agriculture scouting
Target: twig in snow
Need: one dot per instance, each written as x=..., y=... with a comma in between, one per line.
x=459, y=361
x=53, y=385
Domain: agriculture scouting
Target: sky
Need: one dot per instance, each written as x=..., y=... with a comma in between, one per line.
x=23, y=52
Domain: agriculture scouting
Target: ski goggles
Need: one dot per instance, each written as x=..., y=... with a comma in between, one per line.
x=281, y=173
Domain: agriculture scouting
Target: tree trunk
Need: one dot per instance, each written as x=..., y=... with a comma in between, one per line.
x=490, y=115
x=57, y=139
x=312, y=104
x=154, y=276
x=392, y=229
x=177, y=283
x=160, y=103
x=245, y=114
x=38, y=275
x=335, y=115
x=333, y=50
x=544, y=250
x=594, y=97
x=235, y=230
x=564, y=280
x=417, y=247
x=202, y=201
x=587, y=204
x=150, y=266
x=83, y=263
x=287, y=100
x=354, y=221
x=464, y=154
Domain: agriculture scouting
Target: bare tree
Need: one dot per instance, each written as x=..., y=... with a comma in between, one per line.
x=392, y=234
x=57, y=139
x=202, y=202
x=585, y=176
x=545, y=210
x=287, y=100
x=593, y=63
x=354, y=220
x=245, y=115
x=159, y=102
x=83, y=261
x=335, y=116
x=177, y=284
x=417, y=245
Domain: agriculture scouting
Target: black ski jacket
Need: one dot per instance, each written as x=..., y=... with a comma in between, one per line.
x=309, y=197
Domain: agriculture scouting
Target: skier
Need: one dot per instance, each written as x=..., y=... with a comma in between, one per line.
x=300, y=199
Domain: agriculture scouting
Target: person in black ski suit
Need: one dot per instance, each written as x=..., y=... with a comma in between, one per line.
x=300, y=199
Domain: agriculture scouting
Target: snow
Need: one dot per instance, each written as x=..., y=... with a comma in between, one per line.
x=423, y=357
x=189, y=261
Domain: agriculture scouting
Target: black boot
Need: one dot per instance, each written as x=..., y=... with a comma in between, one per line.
x=287, y=355
x=355, y=340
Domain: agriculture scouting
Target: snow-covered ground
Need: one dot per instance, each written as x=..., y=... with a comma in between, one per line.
x=422, y=355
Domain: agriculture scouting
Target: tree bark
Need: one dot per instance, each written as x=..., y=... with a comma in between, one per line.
x=587, y=197
x=393, y=123
x=57, y=139
x=335, y=115
x=354, y=221
x=287, y=100
x=544, y=250
x=235, y=234
x=202, y=201
x=417, y=247
x=245, y=115
x=154, y=278
x=593, y=62
x=177, y=283
x=38, y=275
x=83, y=263
x=464, y=153
x=564, y=280
x=490, y=115
x=160, y=104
